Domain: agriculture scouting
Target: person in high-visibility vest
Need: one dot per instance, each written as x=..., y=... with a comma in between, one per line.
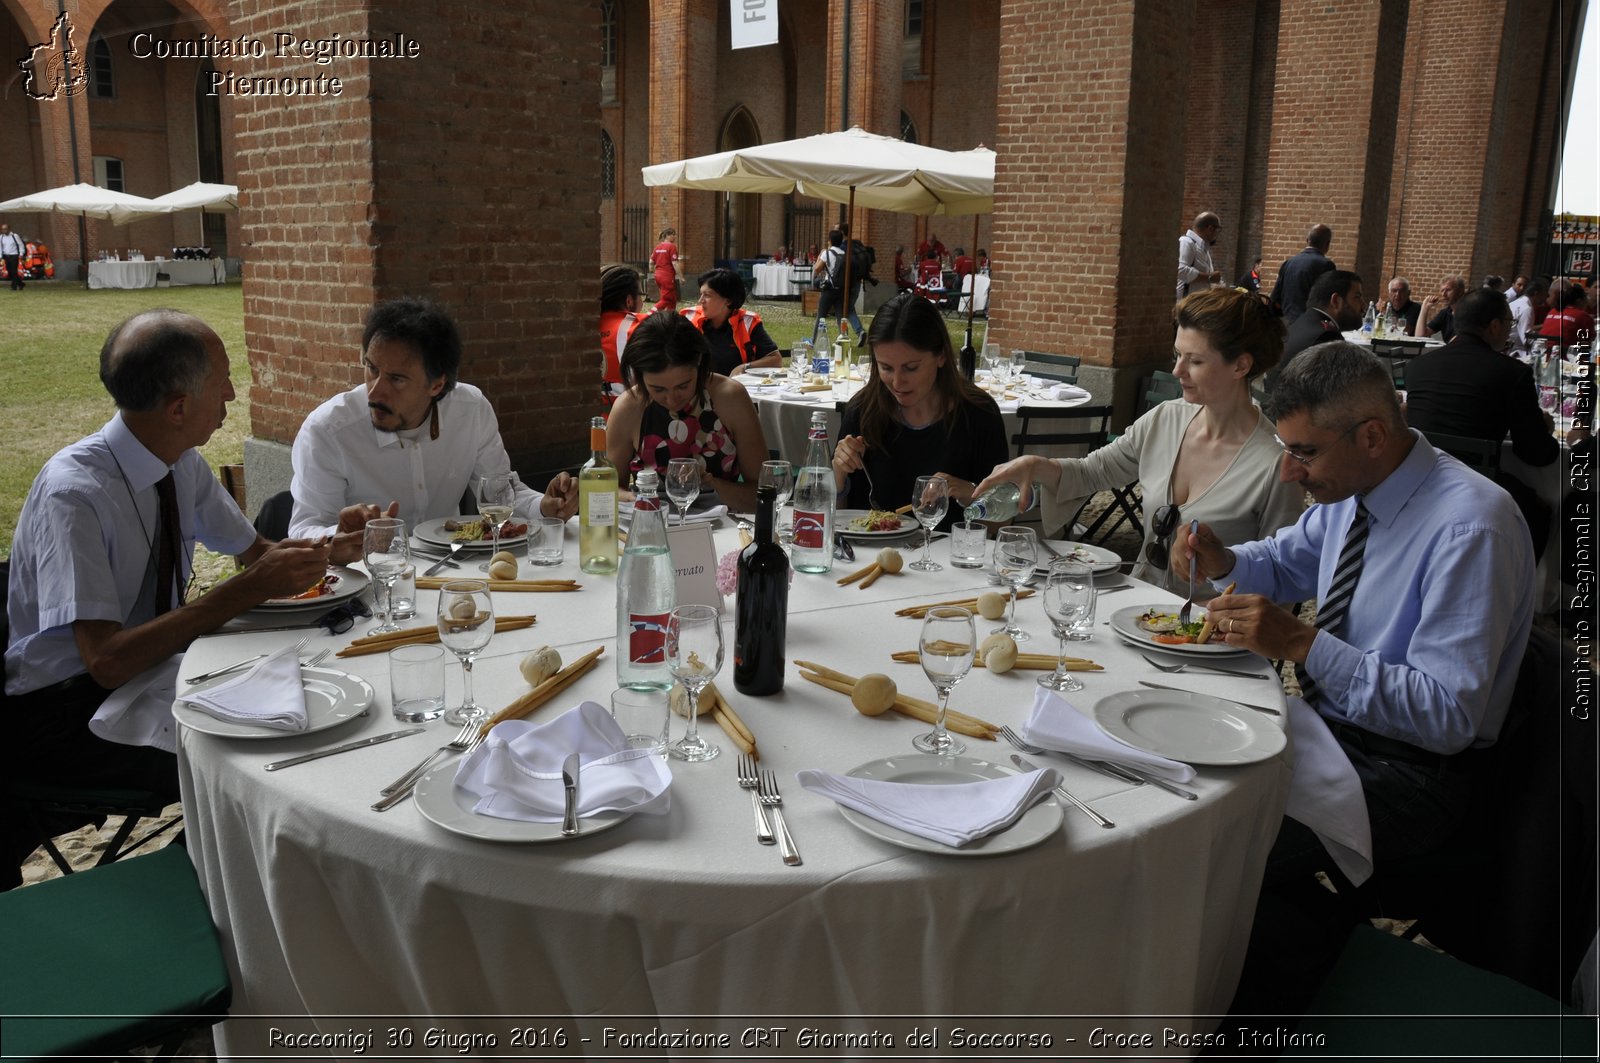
x=620, y=299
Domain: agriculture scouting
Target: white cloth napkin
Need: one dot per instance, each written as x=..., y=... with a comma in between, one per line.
x=516, y=772
x=139, y=712
x=268, y=695
x=1067, y=392
x=952, y=815
x=1055, y=724
x=1325, y=793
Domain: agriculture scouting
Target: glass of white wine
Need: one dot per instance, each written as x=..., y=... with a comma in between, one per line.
x=497, y=497
x=946, y=651
x=386, y=552
x=466, y=623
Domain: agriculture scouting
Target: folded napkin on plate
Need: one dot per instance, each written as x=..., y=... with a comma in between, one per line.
x=1057, y=725
x=1325, y=793
x=516, y=772
x=268, y=695
x=952, y=815
x=1065, y=392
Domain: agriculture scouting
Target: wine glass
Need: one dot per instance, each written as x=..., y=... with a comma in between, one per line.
x=694, y=655
x=946, y=650
x=683, y=484
x=930, y=501
x=386, y=552
x=497, y=497
x=779, y=475
x=1016, y=555
x=1019, y=366
x=466, y=623
x=1068, y=599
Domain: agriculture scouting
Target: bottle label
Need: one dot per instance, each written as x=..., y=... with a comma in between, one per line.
x=809, y=529
x=602, y=508
x=647, y=638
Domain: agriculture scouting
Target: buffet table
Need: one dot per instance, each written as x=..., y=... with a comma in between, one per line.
x=183, y=271
x=329, y=909
x=780, y=280
x=123, y=274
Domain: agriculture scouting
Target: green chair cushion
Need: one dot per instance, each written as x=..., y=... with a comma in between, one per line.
x=109, y=958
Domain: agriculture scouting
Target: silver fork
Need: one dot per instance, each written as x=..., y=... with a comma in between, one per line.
x=1191, y=666
x=462, y=739
x=774, y=800
x=315, y=659
x=236, y=665
x=872, y=490
x=1188, y=605
x=749, y=781
x=386, y=803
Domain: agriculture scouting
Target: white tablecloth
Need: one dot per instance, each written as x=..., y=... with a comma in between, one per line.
x=328, y=908
x=183, y=271
x=777, y=279
x=123, y=274
x=982, y=282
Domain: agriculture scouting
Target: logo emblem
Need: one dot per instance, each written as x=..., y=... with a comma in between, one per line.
x=53, y=69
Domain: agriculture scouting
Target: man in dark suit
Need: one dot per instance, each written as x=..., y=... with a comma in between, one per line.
x=1298, y=274
x=1336, y=304
x=1468, y=388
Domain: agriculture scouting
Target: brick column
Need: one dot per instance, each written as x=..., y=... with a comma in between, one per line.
x=683, y=124
x=1087, y=198
x=467, y=175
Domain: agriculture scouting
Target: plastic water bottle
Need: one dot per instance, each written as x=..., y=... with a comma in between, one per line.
x=646, y=594
x=815, y=498
x=1370, y=321
x=1000, y=502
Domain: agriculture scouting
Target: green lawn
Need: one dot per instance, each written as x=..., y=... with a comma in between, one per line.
x=50, y=337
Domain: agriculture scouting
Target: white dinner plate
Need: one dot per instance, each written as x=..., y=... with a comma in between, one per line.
x=442, y=802
x=332, y=698
x=1125, y=622
x=1037, y=823
x=1098, y=558
x=705, y=509
x=843, y=517
x=350, y=583
x=432, y=532
x=1193, y=728
x=767, y=372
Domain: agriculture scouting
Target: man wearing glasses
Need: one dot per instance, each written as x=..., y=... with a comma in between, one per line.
x=1424, y=576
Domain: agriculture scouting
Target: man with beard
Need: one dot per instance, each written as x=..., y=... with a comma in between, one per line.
x=1334, y=307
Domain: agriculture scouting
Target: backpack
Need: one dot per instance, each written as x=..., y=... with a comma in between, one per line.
x=861, y=261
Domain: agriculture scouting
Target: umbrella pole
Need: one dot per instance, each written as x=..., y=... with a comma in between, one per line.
x=83, y=247
x=844, y=296
x=972, y=298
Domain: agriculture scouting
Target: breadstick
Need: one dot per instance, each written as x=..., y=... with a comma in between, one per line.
x=1210, y=625
x=859, y=573
x=544, y=691
x=877, y=570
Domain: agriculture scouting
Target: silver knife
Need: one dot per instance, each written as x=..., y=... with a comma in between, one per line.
x=347, y=747
x=569, y=779
x=1235, y=701
x=438, y=566
x=1028, y=765
x=1193, y=667
x=1162, y=784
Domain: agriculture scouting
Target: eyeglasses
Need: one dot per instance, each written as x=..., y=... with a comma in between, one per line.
x=1156, y=551
x=1302, y=459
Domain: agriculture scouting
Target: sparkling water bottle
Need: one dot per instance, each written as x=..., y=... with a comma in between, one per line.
x=646, y=594
x=815, y=497
x=1000, y=502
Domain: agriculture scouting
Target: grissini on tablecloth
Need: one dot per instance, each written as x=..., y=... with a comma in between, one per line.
x=544, y=691
x=549, y=586
x=916, y=708
x=917, y=612
x=421, y=635
x=1039, y=661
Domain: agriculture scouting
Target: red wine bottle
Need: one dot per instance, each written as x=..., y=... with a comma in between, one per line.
x=761, y=615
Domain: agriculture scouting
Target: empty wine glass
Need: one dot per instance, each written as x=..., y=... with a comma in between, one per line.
x=1016, y=555
x=694, y=654
x=386, y=552
x=779, y=475
x=930, y=501
x=497, y=497
x=946, y=650
x=1068, y=598
x=466, y=623
x=1019, y=366
x=683, y=484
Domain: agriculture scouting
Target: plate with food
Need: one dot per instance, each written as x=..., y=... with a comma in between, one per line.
x=336, y=585
x=1158, y=626
x=1190, y=727
x=474, y=532
x=873, y=523
x=1098, y=558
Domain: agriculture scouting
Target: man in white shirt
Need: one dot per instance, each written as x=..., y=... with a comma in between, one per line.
x=12, y=248
x=408, y=442
x=1195, y=271
x=1526, y=309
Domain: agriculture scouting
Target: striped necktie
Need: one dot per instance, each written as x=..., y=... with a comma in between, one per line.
x=1335, y=604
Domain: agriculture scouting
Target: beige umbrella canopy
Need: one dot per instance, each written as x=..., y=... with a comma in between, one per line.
x=202, y=196
x=87, y=201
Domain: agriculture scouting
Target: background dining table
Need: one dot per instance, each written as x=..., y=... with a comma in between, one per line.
x=330, y=910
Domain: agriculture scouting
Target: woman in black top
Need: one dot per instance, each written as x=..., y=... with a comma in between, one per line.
x=916, y=416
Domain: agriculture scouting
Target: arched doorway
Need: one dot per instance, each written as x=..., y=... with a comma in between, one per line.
x=741, y=211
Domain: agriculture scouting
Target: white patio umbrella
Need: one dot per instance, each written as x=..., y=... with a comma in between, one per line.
x=203, y=196
x=86, y=201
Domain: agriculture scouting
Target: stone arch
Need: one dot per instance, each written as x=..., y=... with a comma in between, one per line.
x=740, y=224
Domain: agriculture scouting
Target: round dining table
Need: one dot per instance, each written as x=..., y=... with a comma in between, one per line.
x=339, y=921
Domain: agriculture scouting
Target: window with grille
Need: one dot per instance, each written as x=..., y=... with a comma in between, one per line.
x=911, y=43
x=908, y=129
x=102, y=76
x=108, y=173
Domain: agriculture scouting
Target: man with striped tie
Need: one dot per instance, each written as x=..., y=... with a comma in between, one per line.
x=1424, y=576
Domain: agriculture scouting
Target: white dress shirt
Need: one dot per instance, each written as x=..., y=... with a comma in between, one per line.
x=12, y=244
x=1521, y=321
x=341, y=460
x=84, y=546
x=1194, y=259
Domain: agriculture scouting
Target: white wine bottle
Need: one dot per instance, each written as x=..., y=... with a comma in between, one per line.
x=597, y=506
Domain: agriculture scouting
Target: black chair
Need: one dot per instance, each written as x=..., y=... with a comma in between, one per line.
x=272, y=519
x=1093, y=434
x=1067, y=366
x=1127, y=501
x=1481, y=454
x=1162, y=387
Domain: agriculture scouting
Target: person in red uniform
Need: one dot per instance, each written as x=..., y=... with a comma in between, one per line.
x=621, y=298
x=931, y=244
x=665, y=261
x=1569, y=321
x=963, y=264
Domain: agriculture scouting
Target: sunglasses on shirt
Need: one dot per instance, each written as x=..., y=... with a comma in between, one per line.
x=1157, y=551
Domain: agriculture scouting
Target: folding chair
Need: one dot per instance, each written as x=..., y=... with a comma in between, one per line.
x=1092, y=437
x=1482, y=455
x=1066, y=374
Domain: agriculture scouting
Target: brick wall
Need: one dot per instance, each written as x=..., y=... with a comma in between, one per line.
x=1217, y=130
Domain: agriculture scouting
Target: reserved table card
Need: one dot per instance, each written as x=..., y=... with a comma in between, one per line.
x=694, y=561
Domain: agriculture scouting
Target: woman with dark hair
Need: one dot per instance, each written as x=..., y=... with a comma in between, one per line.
x=621, y=296
x=916, y=416
x=737, y=338
x=676, y=407
x=1209, y=456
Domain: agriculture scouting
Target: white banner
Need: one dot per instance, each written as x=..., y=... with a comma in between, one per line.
x=755, y=22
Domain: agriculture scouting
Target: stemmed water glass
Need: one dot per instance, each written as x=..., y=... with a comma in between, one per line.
x=1068, y=599
x=694, y=655
x=683, y=484
x=946, y=650
x=930, y=501
x=1016, y=555
x=778, y=475
x=466, y=623
x=497, y=497
x=1019, y=367
x=386, y=552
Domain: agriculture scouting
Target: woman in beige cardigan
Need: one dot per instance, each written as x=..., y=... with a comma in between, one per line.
x=1209, y=456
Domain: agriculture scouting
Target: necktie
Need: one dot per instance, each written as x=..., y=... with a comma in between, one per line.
x=1336, y=603
x=168, y=535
